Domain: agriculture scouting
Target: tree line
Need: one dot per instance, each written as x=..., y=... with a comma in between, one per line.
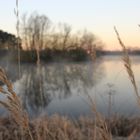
x=38, y=33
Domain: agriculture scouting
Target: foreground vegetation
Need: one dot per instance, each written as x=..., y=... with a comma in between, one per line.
x=61, y=128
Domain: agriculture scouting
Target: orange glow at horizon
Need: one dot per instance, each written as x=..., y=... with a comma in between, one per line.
x=130, y=37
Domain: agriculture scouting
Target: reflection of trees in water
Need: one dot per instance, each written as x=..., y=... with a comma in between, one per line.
x=40, y=85
x=32, y=89
x=64, y=78
x=10, y=68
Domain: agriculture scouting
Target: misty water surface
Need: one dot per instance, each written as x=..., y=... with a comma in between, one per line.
x=63, y=87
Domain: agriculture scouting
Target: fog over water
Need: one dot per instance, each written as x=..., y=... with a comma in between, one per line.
x=63, y=87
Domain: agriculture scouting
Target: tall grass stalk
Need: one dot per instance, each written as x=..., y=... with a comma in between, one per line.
x=16, y=11
x=127, y=64
x=13, y=104
x=101, y=129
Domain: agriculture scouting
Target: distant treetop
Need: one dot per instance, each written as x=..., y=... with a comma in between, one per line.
x=8, y=41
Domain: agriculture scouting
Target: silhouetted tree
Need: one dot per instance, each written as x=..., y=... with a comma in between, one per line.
x=38, y=35
x=90, y=43
x=34, y=30
x=8, y=41
x=65, y=31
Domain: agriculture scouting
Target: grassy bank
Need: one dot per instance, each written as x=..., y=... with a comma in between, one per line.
x=62, y=128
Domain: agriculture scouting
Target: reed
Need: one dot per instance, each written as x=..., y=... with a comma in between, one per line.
x=128, y=67
x=16, y=11
x=101, y=128
x=13, y=104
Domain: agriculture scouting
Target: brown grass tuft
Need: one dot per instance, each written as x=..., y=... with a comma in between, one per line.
x=13, y=104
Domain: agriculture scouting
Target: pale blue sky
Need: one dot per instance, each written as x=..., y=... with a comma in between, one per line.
x=98, y=16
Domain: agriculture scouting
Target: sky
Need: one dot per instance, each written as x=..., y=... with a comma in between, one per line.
x=97, y=16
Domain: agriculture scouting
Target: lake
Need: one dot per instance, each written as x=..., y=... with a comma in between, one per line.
x=64, y=88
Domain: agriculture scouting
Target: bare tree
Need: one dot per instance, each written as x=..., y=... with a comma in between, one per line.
x=55, y=41
x=65, y=31
x=89, y=43
x=24, y=32
x=35, y=29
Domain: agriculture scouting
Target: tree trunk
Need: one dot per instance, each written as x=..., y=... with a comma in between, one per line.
x=38, y=56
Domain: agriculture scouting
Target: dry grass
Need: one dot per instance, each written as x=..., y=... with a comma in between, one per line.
x=128, y=67
x=13, y=105
x=127, y=64
x=16, y=11
x=101, y=128
x=61, y=128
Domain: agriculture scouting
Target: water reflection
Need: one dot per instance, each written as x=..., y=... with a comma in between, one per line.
x=39, y=86
x=62, y=87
